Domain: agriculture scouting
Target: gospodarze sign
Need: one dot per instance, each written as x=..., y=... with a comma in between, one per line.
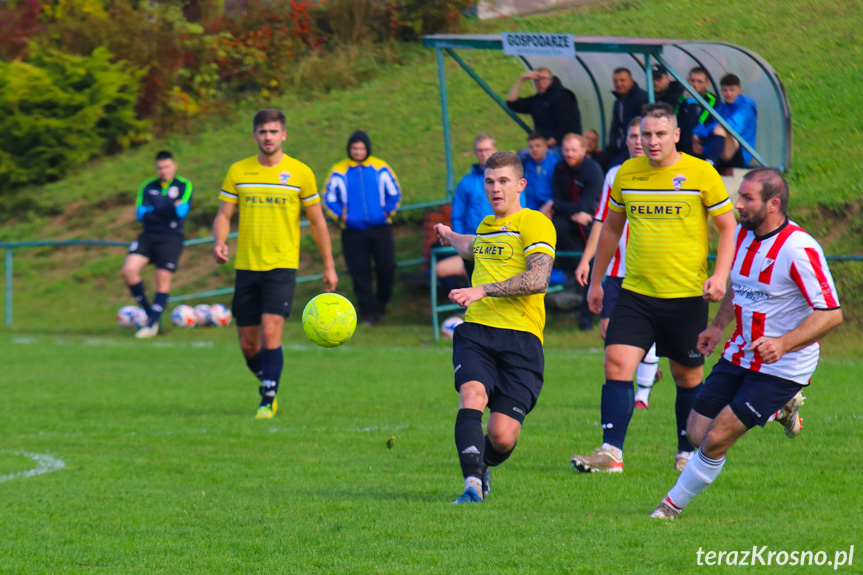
x=526, y=44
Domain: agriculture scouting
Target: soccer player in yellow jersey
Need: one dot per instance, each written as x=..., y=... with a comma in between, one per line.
x=497, y=352
x=268, y=190
x=666, y=197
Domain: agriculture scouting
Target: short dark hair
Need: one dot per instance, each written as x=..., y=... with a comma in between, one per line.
x=535, y=136
x=164, y=155
x=729, y=80
x=773, y=185
x=505, y=160
x=636, y=121
x=659, y=110
x=269, y=115
x=482, y=138
x=700, y=70
x=622, y=69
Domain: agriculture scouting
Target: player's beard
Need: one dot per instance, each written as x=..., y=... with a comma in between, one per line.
x=754, y=221
x=272, y=152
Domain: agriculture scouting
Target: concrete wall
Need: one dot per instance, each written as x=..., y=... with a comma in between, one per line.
x=498, y=8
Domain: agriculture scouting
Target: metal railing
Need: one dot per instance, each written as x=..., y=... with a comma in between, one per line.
x=11, y=246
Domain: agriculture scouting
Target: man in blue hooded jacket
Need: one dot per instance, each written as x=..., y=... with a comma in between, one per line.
x=741, y=113
x=362, y=194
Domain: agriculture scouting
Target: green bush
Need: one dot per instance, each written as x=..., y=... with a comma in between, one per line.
x=58, y=110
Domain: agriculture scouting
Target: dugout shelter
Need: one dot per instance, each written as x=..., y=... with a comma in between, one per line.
x=588, y=73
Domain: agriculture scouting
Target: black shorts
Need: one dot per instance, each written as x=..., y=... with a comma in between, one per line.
x=753, y=396
x=610, y=292
x=674, y=324
x=507, y=362
x=256, y=293
x=163, y=250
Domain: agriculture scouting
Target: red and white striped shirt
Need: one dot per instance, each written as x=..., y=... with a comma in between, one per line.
x=617, y=265
x=778, y=280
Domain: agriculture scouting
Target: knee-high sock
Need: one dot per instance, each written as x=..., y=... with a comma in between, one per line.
x=469, y=441
x=157, y=308
x=616, y=408
x=254, y=364
x=272, y=361
x=646, y=373
x=492, y=457
x=695, y=478
x=137, y=291
x=682, y=406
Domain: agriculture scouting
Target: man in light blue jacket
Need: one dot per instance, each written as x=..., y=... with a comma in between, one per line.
x=741, y=113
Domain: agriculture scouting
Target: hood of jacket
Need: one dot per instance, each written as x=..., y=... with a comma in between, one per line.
x=360, y=136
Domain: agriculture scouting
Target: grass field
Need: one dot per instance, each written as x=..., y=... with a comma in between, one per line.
x=167, y=471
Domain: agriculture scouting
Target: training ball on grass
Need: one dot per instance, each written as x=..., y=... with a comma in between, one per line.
x=202, y=314
x=220, y=315
x=447, y=328
x=131, y=316
x=183, y=316
x=329, y=320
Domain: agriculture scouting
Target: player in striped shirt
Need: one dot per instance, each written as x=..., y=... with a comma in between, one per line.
x=783, y=300
x=268, y=189
x=666, y=197
x=648, y=371
x=497, y=352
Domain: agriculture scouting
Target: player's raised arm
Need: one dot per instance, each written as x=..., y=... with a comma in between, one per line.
x=221, y=229
x=321, y=234
x=531, y=281
x=463, y=243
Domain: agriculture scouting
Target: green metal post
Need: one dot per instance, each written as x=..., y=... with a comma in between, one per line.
x=8, y=286
x=447, y=138
x=648, y=73
x=433, y=295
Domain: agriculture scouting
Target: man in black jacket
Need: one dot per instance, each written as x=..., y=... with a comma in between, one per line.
x=630, y=99
x=554, y=109
x=576, y=188
x=691, y=114
x=666, y=89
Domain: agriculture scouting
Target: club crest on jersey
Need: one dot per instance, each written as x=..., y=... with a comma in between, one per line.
x=284, y=177
x=677, y=182
x=767, y=263
x=173, y=192
x=504, y=228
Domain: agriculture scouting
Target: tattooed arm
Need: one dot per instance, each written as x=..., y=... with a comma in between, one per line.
x=533, y=280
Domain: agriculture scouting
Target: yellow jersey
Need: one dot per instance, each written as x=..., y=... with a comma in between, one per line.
x=667, y=209
x=269, y=199
x=499, y=251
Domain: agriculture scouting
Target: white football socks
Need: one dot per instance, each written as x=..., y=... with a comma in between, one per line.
x=646, y=373
x=698, y=475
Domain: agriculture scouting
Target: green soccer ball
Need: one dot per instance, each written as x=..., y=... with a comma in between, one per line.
x=329, y=320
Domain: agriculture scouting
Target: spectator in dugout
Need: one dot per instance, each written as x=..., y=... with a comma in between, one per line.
x=741, y=113
x=665, y=88
x=591, y=142
x=538, y=171
x=554, y=109
x=630, y=99
x=691, y=115
x=577, y=186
